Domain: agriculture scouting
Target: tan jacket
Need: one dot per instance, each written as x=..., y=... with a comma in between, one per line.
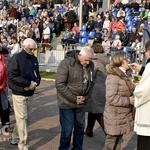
x=117, y=114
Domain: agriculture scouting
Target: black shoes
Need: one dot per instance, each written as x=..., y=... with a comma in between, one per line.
x=89, y=134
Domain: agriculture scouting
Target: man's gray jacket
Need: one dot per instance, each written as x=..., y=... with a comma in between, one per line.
x=69, y=81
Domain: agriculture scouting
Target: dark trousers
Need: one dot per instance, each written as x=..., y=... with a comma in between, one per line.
x=4, y=114
x=100, y=5
x=92, y=118
x=70, y=25
x=45, y=44
x=95, y=6
x=85, y=19
x=143, y=142
x=72, y=120
x=57, y=26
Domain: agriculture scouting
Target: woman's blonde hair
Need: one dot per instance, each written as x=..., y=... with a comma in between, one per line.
x=117, y=59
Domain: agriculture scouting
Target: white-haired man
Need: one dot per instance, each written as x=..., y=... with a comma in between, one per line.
x=23, y=77
x=74, y=82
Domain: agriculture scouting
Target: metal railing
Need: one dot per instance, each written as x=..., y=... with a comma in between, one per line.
x=54, y=57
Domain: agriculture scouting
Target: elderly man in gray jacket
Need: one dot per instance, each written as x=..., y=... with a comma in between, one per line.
x=74, y=82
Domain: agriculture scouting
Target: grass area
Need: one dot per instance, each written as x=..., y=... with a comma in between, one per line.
x=48, y=75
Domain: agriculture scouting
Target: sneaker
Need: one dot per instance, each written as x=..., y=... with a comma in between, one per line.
x=14, y=142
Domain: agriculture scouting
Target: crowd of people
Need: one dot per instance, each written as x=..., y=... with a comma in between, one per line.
x=86, y=79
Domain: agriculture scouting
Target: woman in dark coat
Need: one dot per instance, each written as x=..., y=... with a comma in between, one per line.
x=96, y=104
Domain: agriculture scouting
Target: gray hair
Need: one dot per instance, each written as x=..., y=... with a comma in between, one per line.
x=27, y=42
x=87, y=50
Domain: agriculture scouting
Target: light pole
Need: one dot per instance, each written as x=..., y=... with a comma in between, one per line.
x=80, y=14
x=22, y=2
x=108, y=4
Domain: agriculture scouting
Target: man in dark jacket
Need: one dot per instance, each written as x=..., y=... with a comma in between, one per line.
x=57, y=23
x=43, y=4
x=71, y=18
x=85, y=11
x=90, y=24
x=23, y=77
x=74, y=82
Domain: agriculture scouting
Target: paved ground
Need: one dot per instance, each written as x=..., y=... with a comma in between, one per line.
x=44, y=130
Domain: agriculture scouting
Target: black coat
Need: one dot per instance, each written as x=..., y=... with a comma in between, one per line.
x=43, y=5
x=85, y=10
x=59, y=1
x=124, y=37
x=71, y=16
x=90, y=25
x=99, y=25
x=22, y=69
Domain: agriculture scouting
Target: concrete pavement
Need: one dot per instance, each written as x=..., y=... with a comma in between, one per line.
x=44, y=130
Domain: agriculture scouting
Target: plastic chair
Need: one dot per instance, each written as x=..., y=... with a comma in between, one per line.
x=129, y=23
x=135, y=18
x=91, y=35
x=129, y=30
x=83, y=34
x=140, y=9
x=128, y=13
x=114, y=14
x=113, y=10
x=128, y=18
x=84, y=28
x=57, y=7
x=127, y=9
x=84, y=41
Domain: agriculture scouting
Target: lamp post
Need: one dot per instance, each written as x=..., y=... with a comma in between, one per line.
x=80, y=14
x=108, y=4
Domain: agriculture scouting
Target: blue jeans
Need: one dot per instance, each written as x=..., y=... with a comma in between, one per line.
x=72, y=119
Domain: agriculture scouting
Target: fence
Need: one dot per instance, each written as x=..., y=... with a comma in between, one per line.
x=52, y=58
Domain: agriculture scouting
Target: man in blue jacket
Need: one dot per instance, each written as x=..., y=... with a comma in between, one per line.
x=23, y=77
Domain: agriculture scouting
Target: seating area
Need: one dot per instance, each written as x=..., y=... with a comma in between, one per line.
x=131, y=17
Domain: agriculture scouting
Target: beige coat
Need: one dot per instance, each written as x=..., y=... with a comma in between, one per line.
x=117, y=114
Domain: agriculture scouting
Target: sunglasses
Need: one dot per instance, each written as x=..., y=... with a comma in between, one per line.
x=32, y=49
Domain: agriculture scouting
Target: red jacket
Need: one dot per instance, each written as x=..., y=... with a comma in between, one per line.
x=3, y=74
x=120, y=24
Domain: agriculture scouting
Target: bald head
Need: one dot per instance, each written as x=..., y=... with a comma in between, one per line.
x=85, y=55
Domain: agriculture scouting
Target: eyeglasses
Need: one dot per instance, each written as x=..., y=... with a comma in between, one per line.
x=32, y=49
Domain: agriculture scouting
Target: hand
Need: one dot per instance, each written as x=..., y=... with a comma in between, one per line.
x=1, y=88
x=32, y=85
x=80, y=100
x=135, y=66
x=131, y=100
x=26, y=88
